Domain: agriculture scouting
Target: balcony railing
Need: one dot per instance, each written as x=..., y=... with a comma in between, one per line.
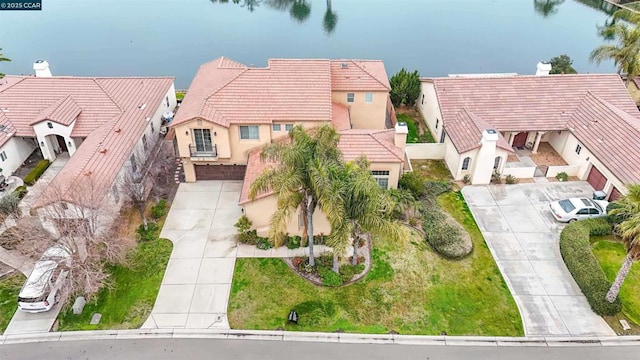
x=206, y=152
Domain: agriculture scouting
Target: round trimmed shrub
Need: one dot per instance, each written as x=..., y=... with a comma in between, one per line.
x=445, y=235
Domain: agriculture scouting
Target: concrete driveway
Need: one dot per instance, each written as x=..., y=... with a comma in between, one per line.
x=523, y=237
x=195, y=290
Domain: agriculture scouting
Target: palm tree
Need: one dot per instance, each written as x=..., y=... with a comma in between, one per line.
x=625, y=53
x=546, y=7
x=2, y=58
x=299, y=179
x=300, y=10
x=330, y=19
x=629, y=229
x=367, y=209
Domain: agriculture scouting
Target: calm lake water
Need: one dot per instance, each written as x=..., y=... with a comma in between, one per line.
x=173, y=37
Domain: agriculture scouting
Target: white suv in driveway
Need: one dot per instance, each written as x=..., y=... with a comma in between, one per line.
x=573, y=209
x=38, y=294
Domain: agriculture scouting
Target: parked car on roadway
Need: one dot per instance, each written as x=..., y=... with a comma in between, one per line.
x=573, y=209
x=39, y=292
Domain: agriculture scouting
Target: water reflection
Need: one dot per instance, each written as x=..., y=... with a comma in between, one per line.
x=299, y=10
x=546, y=7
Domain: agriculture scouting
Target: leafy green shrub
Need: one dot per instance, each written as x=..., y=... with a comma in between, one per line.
x=598, y=227
x=36, y=172
x=319, y=239
x=159, y=210
x=413, y=182
x=435, y=188
x=151, y=233
x=329, y=278
x=510, y=179
x=20, y=191
x=584, y=267
x=496, y=178
x=405, y=87
x=245, y=234
x=263, y=243
x=444, y=237
x=347, y=272
x=466, y=179
x=293, y=242
x=613, y=219
x=9, y=204
x=562, y=176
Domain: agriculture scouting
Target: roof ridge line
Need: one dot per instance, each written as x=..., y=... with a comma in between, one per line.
x=22, y=78
x=206, y=99
x=368, y=73
x=386, y=147
x=95, y=80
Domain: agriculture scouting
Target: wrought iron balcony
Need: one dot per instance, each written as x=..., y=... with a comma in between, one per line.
x=207, y=151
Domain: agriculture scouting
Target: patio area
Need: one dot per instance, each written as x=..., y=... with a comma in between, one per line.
x=546, y=155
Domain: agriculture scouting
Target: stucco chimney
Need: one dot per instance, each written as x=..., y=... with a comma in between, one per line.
x=400, y=138
x=543, y=68
x=482, y=167
x=41, y=68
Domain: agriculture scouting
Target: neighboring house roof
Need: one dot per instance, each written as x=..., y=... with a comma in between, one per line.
x=466, y=131
x=107, y=113
x=225, y=92
x=340, y=117
x=594, y=107
x=377, y=145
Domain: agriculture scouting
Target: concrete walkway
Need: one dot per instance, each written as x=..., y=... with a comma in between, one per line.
x=523, y=237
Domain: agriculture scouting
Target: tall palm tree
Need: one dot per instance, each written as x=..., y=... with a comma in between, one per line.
x=298, y=178
x=629, y=230
x=330, y=19
x=546, y=7
x=624, y=53
x=300, y=10
x=367, y=209
x=2, y=58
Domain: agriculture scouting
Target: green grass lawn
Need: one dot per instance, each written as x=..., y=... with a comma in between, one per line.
x=9, y=288
x=409, y=289
x=432, y=170
x=414, y=135
x=130, y=300
x=610, y=253
x=180, y=95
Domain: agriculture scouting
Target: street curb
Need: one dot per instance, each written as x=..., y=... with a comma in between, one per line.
x=345, y=338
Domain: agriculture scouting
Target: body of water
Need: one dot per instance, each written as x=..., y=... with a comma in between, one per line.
x=173, y=37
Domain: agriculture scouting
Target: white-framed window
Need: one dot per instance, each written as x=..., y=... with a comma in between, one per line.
x=153, y=128
x=276, y=127
x=144, y=142
x=422, y=100
x=202, y=138
x=368, y=97
x=3, y=156
x=496, y=163
x=249, y=132
x=382, y=178
x=288, y=127
x=351, y=97
x=134, y=163
x=437, y=123
x=116, y=194
x=465, y=163
x=578, y=149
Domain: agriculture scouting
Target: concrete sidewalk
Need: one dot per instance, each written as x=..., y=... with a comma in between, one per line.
x=195, y=290
x=523, y=237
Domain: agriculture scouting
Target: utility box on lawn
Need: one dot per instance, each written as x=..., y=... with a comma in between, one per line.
x=78, y=305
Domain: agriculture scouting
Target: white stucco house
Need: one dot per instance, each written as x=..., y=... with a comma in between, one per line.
x=100, y=123
x=502, y=122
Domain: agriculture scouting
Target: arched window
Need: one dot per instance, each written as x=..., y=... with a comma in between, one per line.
x=465, y=163
x=496, y=163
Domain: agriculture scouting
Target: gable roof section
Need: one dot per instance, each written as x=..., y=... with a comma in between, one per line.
x=63, y=111
x=466, y=132
x=611, y=135
x=340, y=117
x=359, y=75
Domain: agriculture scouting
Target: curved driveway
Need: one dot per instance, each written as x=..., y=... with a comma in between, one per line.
x=523, y=238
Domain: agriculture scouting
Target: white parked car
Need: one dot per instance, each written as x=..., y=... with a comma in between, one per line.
x=573, y=209
x=38, y=294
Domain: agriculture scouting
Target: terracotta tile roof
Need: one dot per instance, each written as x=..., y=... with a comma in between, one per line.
x=226, y=92
x=63, y=111
x=8, y=129
x=611, y=135
x=466, y=132
x=359, y=75
x=255, y=167
x=340, y=119
x=111, y=119
x=596, y=108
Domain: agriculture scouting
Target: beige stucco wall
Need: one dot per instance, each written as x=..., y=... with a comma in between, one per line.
x=365, y=115
x=428, y=105
x=395, y=171
x=453, y=160
x=260, y=211
x=184, y=137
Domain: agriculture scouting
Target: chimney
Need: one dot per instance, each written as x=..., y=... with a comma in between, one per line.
x=41, y=68
x=400, y=138
x=489, y=135
x=482, y=165
x=543, y=68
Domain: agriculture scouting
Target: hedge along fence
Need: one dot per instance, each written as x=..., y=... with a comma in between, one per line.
x=36, y=172
x=583, y=265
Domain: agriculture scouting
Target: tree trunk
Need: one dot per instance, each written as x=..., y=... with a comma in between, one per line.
x=140, y=207
x=620, y=277
x=304, y=209
x=336, y=262
x=310, y=210
x=354, y=257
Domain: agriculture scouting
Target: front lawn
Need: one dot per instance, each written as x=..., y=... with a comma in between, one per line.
x=432, y=170
x=129, y=302
x=9, y=288
x=418, y=133
x=410, y=289
x=610, y=253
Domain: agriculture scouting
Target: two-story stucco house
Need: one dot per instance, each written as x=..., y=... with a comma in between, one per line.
x=231, y=111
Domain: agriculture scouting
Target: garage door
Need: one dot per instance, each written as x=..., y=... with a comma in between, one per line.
x=220, y=172
x=615, y=194
x=596, y=179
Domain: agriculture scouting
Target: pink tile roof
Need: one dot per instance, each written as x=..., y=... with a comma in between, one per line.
x=466, y=131
x=102, y=105
x=596, y=108
x=255, y=167
x=226, y=92
x=340, y=119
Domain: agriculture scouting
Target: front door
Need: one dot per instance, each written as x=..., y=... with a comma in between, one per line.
x=61, y=144
x=520, y=140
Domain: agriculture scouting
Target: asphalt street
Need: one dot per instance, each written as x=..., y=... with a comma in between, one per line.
x=183, y=349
